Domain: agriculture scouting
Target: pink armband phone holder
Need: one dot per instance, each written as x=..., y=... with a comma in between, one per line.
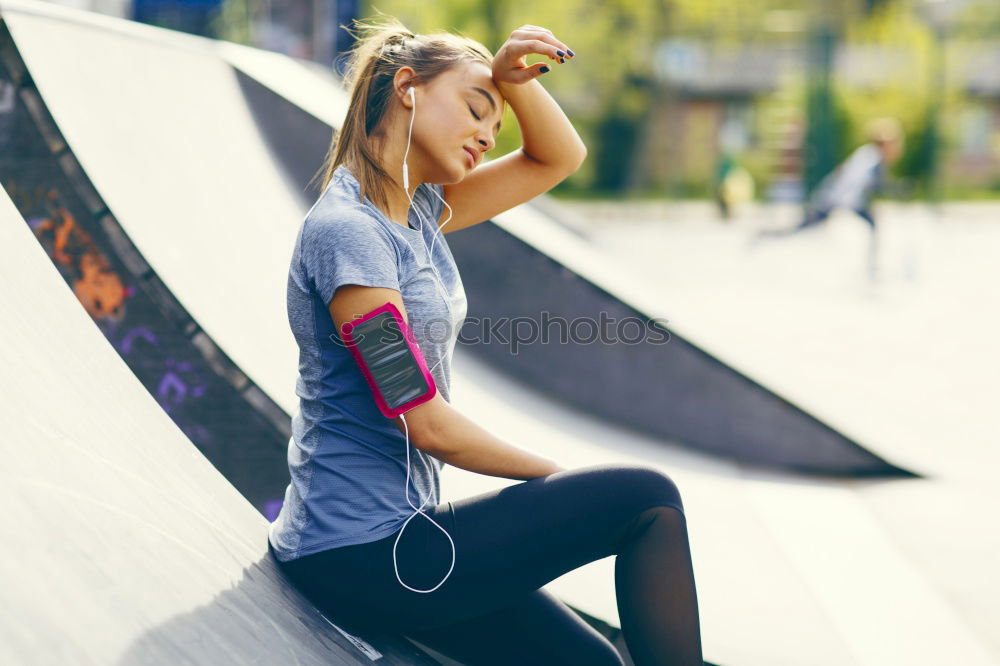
x=385, y=349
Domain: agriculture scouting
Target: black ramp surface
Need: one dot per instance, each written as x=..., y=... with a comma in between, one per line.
x=673, y=389
x=124, y=544
x=297, y=139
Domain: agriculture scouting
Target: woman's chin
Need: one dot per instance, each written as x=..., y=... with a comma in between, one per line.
x=459, y=175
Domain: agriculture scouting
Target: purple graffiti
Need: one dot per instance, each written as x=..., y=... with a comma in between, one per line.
x=271, y=509
x=173, y=390
x=138, y=332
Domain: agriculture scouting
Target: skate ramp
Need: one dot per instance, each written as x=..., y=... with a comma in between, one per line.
x=128, y=545
x=222, y=410
x=775, y=556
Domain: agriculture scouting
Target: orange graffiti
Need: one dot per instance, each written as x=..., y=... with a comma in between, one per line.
x=96, y=285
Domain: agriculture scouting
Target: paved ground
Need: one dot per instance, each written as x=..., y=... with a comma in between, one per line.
x=912, y=356
x=908, y=364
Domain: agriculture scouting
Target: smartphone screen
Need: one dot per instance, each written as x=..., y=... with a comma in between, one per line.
x=390, y=359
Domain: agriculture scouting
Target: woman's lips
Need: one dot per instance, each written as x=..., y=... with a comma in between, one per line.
x=472, y=158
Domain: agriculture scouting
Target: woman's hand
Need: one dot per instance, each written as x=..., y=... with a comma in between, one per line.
x=508, y=63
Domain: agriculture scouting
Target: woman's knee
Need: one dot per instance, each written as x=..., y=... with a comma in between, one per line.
x=590, y=651
x=609, y=656
x=649, y=487
x=601, y=655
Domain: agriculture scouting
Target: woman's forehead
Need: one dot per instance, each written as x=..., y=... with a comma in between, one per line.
x=483, y=88
x=472, y=75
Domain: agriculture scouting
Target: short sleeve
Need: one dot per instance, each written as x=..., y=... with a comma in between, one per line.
x=349, y=250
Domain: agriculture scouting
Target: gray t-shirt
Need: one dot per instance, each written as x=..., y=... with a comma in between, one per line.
x=347, y=461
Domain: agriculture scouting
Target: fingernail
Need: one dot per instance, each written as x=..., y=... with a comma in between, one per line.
x=559, y=53
x=571, y=52
x=543, y=69
x=561, y=61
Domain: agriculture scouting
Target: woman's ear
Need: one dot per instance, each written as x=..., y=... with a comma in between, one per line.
x=403, y=81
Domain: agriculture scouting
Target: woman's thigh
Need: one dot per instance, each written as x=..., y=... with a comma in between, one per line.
x=508, y=543
x=536, y=630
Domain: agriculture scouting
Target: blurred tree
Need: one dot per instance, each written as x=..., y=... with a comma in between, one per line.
x=615, y=134
x=978, y=19
x=822, y=140
x=909, y=86
x=234, y=22
x=920, y=157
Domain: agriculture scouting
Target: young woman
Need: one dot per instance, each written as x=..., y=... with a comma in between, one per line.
x=464, y=578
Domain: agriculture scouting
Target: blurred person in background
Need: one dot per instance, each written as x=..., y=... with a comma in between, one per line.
x=733, y=186
x=853, y=183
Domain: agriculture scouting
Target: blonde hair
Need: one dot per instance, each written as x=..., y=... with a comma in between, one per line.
x=884, y=130
x=380, y=50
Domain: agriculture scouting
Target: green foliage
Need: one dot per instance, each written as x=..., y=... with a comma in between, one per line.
x=605, y=90
x=920, y=157
x=234, y=22
x=912, y=92
x=615, y=135
x=979, y=19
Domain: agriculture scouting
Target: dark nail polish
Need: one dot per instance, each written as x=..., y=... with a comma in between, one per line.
x=571, y=52
x=561, y=61
x=543, y=69
x=559, y=53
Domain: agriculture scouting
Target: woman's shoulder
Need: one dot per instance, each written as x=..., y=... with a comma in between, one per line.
x=347, y=227
x=337, y=210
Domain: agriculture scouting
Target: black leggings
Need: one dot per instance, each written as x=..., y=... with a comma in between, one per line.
x=816, y=216
x=510, y=542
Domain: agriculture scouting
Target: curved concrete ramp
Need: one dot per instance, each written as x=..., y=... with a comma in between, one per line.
x=236, y=164
x=527, y=270
x=126, y=545
x=235, y=424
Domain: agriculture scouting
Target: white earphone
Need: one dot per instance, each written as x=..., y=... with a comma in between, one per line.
x=406, y=177
x=406, y=171
x=406, y=187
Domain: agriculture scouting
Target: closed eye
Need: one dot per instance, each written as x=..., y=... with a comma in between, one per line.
x=478, y=118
